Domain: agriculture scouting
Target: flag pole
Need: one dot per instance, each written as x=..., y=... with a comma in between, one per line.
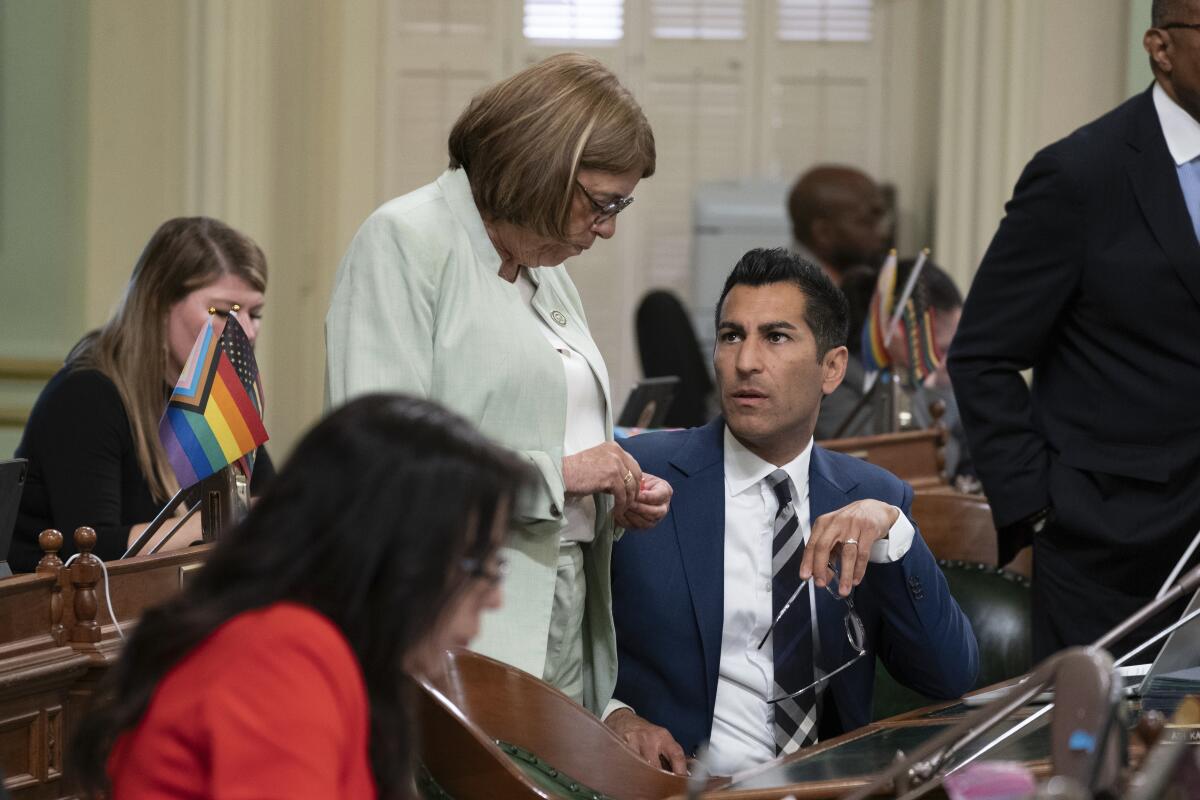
x=909, y=285
x=178, y=525
x=167, y=511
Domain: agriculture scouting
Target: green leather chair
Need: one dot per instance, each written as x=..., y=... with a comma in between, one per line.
x=997, y=603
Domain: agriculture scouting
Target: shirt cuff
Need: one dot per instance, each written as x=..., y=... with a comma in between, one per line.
x=614, y=705
x=897, y=543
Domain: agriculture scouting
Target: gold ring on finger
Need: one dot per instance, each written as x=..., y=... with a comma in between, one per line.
x=851, y=541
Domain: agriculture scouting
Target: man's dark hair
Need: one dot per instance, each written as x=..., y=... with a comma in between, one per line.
x=825, y=310
x=1166, y=11
x=940, y=291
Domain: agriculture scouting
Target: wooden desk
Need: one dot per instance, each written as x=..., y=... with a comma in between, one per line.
x=56, y=642
x=914, y=456
x=833, y=768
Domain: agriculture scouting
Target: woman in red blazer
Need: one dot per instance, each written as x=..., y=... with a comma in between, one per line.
x=280, y=671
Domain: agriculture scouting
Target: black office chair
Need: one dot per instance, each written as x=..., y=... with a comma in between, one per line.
x=997, y=602
x=668, y=345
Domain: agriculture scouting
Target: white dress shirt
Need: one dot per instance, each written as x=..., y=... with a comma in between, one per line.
x=743, y=723
x=585, y=418
x=1180, y=129
x=1182, y=132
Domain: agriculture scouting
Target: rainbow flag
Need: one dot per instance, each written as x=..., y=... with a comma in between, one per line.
x=914, y=324
x=874, y=352
x=214, y=416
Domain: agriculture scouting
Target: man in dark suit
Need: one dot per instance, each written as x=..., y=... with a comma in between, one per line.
x=758, y=509
x=1093, y=281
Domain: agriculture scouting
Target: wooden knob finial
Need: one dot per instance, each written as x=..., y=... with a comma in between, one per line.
x=51, y=541
x=85, y=540
x=85, y=574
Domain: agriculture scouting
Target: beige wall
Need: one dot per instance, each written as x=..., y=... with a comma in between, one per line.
x=1137, y=67
x=43, y=96
x=260, y=114
x=265, y=114
x=1016, y=76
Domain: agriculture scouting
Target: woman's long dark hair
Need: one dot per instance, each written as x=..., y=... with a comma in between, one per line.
x=366, y=524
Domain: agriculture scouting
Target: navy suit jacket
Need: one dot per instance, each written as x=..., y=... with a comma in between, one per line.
x=668, y=596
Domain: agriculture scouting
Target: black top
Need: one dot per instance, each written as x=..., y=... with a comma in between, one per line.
x=83, y=470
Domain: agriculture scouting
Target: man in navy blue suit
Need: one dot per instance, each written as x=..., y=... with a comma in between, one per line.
x=709, y=647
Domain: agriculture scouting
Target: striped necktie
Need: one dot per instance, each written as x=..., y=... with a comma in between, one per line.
x=792, y=640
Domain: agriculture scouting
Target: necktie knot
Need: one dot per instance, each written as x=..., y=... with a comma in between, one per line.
x=779, y=483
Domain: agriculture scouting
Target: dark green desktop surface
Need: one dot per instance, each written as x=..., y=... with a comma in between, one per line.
x=870, y=753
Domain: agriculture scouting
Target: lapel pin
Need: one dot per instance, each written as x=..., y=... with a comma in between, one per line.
x=559, y=317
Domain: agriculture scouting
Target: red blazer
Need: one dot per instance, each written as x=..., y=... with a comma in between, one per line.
x=271, y=705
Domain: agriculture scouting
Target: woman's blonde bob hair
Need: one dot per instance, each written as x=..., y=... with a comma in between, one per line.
x=131, y=349
x=523, y=141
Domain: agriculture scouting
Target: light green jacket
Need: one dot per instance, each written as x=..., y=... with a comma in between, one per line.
x=419, y=307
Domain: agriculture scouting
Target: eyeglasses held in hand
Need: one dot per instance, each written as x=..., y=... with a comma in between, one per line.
x=856, y=632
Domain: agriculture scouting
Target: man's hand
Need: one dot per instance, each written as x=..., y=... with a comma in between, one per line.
x=848, y=534
x=652, y=743
x=653, y=501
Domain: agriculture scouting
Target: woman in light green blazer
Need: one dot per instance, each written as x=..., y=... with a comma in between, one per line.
x=456, y=292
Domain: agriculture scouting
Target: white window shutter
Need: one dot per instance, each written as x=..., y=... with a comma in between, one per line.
x=437, y=56
x=825, y=20
x=698, y=19
x=571, y=20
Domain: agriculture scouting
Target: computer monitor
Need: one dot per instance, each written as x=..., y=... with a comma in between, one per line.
x=648, y=403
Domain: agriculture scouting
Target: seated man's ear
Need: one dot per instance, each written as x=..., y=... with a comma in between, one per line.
x=833, y=368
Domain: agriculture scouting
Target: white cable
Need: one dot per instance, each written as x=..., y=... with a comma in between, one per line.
x=107, y=594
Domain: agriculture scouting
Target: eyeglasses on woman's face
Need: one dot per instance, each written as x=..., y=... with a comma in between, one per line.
x=603, y=211
x=491, y=570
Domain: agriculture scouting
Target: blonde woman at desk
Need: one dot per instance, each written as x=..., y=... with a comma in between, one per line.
x=92, y=437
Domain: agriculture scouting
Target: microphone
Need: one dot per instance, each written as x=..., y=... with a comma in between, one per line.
x=922, y=771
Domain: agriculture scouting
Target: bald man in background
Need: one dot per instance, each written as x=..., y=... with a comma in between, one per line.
x=838, y=219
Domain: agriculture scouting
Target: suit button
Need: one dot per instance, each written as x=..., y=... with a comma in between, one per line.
x=554, y=512
x=914, y=581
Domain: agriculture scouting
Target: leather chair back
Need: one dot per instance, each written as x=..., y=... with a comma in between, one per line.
x=956, y=526
x=997, y=602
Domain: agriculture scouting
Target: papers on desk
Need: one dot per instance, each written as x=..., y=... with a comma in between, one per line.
x=1165, y=692
x=1130, y=674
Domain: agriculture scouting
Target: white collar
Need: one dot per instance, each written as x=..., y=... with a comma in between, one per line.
x=1181, y=129
x=743, y=469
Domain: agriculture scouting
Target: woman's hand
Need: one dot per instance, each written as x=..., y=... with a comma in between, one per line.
x=604, y=468
x=651, y=504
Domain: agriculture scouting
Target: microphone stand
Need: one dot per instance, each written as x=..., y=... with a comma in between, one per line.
x=155, y=524
x=925, y=766
x=223, y=500
x=1167, y=631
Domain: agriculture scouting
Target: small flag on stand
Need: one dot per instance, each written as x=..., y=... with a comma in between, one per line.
x=909, y=316
x=214, y=416
x=874, y=349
